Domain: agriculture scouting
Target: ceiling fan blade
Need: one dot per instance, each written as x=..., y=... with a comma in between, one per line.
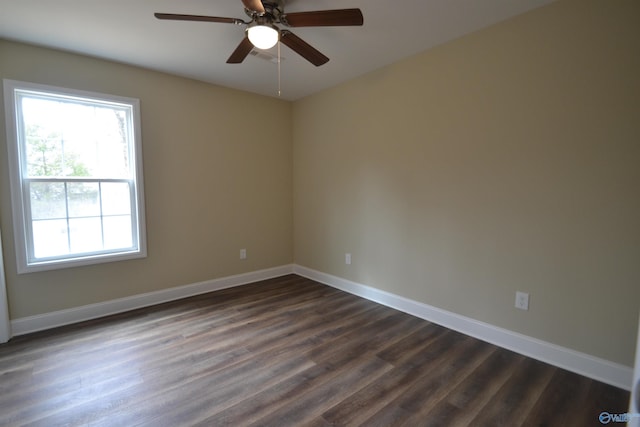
x=302, y=48
x=241, y=52
x=178, y=17
x=254, y=5
x=324, y=18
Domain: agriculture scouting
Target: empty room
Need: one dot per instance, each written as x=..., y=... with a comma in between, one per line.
x=314, y=213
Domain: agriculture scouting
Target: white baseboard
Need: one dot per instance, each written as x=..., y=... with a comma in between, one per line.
x=581, y=363
x=584, y=364
x=54, y=319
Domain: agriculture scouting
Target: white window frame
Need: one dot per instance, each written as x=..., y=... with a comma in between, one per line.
x=20, y=199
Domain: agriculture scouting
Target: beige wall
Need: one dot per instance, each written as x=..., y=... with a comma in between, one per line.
x=215, y=182
x=505, y=160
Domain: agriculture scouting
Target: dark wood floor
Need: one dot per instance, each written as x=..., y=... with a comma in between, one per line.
x=283, y=352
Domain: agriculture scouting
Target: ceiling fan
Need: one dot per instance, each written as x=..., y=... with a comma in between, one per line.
x=263, y=33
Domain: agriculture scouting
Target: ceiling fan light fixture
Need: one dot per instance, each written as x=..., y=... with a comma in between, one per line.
x=263, y=36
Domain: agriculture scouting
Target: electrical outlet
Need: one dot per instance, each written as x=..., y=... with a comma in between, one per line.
x=243, y=254
x=347, y=259
x=522, y=300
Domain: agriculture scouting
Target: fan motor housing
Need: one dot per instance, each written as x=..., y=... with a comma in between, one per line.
x=273, y=10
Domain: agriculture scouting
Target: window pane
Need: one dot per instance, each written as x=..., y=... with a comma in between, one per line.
x=117, y=232
x=83, y=198
x=47, y=200
x=44, y=151
x=50, y=238
x=85, y=235
x=73, y=138
x=116, y=198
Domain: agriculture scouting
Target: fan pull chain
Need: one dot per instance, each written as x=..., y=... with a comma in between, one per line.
x=279, y=91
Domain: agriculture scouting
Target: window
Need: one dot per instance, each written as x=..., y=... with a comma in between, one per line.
x=76, y=176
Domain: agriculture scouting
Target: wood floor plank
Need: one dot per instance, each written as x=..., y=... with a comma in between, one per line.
x=284, y=351
x=513, y=401
x=252, y=408
x=412, y=344
x=603, y=398
x=560, y=401
x=466, y=400
x=304, y=408
x=398, y=382
x=437, y=382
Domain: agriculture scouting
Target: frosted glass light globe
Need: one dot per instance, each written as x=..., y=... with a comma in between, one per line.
x=263, y=36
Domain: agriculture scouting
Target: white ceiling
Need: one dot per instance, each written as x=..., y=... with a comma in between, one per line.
x=126, y=31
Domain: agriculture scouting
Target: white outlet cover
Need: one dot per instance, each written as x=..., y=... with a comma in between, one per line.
x=347, y=259
x=522, y=300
